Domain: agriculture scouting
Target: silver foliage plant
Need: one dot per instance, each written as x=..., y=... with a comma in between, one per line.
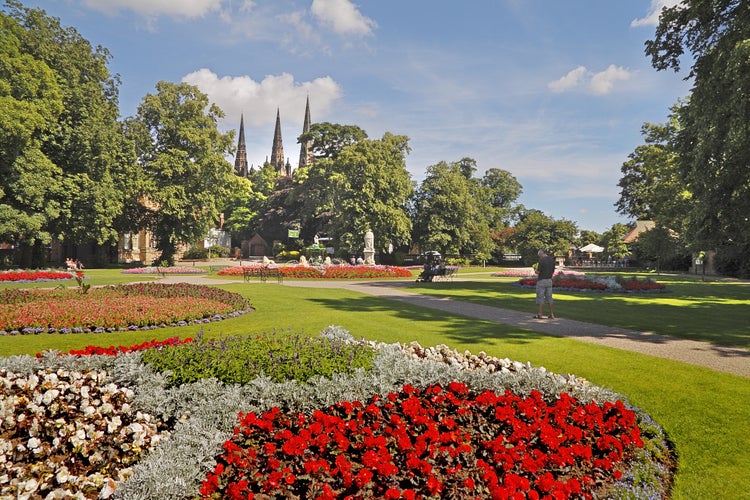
x=206, y=411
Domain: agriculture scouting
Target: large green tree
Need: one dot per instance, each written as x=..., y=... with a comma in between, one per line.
x=85, y=141
x=537, y=231
x=449, y=214
x=713, y=144
x=30, y=106
x=651, y=186
x=182, y=154
x=356, y=185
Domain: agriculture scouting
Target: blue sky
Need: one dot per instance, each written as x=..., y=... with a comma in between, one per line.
x=554, y=92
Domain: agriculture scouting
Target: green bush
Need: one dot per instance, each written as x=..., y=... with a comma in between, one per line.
x=218, y=251
x=195, y=253
x=281, y=356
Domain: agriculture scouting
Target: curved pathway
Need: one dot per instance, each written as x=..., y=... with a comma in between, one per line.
x=731, y=360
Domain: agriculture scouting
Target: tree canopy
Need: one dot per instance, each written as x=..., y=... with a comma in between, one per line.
x=182, y=154
x=713, y=143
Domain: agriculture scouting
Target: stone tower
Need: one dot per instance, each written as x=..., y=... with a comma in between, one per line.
x=305, y=150
x=277, y=152
x=240, y=160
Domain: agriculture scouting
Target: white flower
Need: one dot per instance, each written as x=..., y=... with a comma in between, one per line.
x=62, y=475
x=106, y=408
x=114, y=424
x=108, y=490
x=50, y=396
x=34, y=445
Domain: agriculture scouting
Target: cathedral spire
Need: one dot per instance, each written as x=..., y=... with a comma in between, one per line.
x=240, y=159
x=305, y=150
x=277, y=153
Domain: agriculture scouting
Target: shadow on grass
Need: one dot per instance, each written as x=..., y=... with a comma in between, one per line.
x=713, y=313
x=461, y=329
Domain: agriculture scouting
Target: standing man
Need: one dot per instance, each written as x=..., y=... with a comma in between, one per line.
x=545, y=269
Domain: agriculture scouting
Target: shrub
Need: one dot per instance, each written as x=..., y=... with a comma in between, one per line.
x=195, y=252
x=281, y=355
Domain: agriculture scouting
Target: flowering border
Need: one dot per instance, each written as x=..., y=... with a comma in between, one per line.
x=574, y=283
x=116, y=308
x=322, y=272
x=32, y=276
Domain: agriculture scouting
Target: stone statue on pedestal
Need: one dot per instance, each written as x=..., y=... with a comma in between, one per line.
x=369, y=248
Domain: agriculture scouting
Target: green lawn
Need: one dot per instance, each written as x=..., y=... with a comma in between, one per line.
x=705, y=412
x=715, y=312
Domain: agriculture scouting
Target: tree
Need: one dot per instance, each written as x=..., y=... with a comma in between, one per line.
x=182, y=155
x=713, y=145
x=652, y=188
x=612, y=241
x=536, y=231
x=30, y=104
x=660, y=248
x=329, y=139
x=369, y=190
x=500, y=190
x=448, y=215
x=85, y=140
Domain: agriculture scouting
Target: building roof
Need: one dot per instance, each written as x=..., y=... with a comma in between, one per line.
x=640, y=226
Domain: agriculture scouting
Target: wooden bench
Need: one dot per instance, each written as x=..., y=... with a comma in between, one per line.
x=263, y=272
x=440, y=273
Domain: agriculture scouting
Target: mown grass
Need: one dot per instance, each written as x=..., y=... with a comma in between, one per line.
x=715, y=312
x=705, y=412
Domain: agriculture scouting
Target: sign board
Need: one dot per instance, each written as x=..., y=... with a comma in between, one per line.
x=293, y=233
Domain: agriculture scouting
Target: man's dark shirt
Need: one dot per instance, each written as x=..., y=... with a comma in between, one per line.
x=546, y=267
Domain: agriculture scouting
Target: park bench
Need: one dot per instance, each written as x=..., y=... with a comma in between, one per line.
x=263, y=272
x=438, y=273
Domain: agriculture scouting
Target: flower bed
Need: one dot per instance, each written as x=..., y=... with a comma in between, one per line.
x=435, y=442
x=165, y=270
x=467, y=426
x=69, y=431
x=573, y=283
x=28, y=276
x=528, y=272
x=326, y=272
x=115, y=308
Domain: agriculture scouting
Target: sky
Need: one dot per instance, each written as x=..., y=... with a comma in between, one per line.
x=553, y=92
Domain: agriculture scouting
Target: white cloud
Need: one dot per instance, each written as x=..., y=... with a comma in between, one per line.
x=258, y=100
x=342, y=16
x=603, y=82
x=569, y=81
x=151, y=8
x=652, y=18
x=596, y=83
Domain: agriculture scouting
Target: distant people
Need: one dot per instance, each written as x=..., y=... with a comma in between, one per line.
x=545, y=270
x=360, y=260
x=71, y=264
x=353, y=260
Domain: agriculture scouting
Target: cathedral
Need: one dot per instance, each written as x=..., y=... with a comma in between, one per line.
x=283, y=167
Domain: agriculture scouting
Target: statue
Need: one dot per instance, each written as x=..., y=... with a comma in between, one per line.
x=303, y=261
x=316, y=240
x=369, y=248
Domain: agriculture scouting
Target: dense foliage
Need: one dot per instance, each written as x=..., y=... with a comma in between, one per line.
x=238, y=359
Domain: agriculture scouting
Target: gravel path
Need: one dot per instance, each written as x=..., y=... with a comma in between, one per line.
x=731, y=360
